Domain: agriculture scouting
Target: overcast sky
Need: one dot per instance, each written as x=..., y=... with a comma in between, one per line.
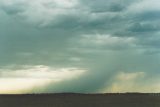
x=88, y=46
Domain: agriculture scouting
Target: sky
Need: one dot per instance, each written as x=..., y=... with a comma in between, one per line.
x=81, y=46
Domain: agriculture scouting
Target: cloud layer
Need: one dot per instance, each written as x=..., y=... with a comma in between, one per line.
x=114, y=44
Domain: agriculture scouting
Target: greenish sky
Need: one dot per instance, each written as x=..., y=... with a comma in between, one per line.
x=88, y=46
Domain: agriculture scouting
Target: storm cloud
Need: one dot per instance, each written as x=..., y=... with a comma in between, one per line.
x=114, y=42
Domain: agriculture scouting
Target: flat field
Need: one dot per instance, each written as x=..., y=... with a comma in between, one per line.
x=81, y=100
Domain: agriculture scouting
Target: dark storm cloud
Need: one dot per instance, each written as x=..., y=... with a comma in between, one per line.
x=137, y=27
x=149, y=15
x=13, y=9
x=106, y=6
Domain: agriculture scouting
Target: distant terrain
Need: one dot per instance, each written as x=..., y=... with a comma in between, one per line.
x=81, y=100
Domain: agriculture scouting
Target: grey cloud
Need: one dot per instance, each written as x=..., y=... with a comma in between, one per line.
x=104, y=42
x=84, y=17
x=148, y=15
x=138, y=27
x=106, y=6
x=12, y=10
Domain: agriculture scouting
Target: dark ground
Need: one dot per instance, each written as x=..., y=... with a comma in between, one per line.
x=81, y=100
